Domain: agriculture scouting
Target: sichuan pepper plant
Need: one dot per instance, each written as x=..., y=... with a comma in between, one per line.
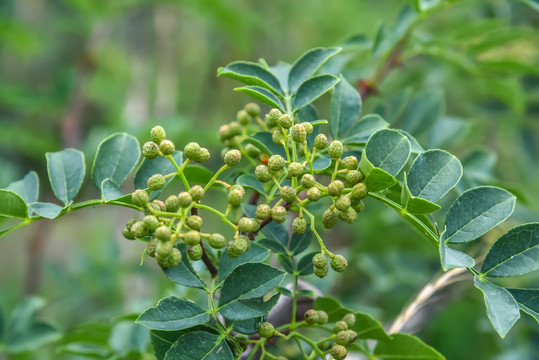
x=288, y=182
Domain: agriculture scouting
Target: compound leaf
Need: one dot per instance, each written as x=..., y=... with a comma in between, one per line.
x=308, y=64
x=227, y=264
x=360, y=132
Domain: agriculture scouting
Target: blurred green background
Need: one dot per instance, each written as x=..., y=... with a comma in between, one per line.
x=74, y=71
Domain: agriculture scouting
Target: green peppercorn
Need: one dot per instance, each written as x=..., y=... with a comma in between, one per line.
x=224, y=132
x=217, y=241
x=354, y=176
x=340, y=326
x=277, y=137
x=320, y=141
x=152, y=246
x=172, y=203
x=235, y=197
x=160, y=205
x=322, y=317
x=196, y=192
x=359, y=191
x=167, y=147
x=243, y=117
x=150, y=150
x=298, y=133
x=237, y=247
x=263, y=212
x=139, y=229
x=320, y=260
x=203, y=155
x=349, y=162
x=335, y=188
x=358, y=205
x=343, y=203
x=272, y=118
x=335, y=149
x=313, y=194
x=329, y=218
x=163, y=233
x=174, y=258
x=158, y=134
x=252, y=109
x=153, y=206
x=185, y=199
x=191, y=151
x=235, y=128
x=232, y=157
x=278, y=214
x=349, y=319
x=286, y=121
x=321, y=272
x=294, y=169
x=140, y=198
x=252, y=150
x=151, y=223
x=339, y=263
x=191, y=238
x=288, y=193
x=349, y=215
x=311, y=316
x=195, y=252
x=342, y=338
x=276, y=163
x=164, y=249
x=299, y=225
x=308, y=127
x=308, y=181
x=128, y=234
x=238, y=187
x=352, y=336
x=266, y=330
x=338, y=352
x=194, y=222
x=263, y=174
x=244, y=225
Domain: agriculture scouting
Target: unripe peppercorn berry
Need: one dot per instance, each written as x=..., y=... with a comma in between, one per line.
x=150, y=150
x=185, y=199
x=203, y=155
x=340, y=326
x=272, y=119
x=232, y=157
x=131, y=222
x=237, y=247
x=321, y=272
x=252, y=109
x=288, y=193
x=343, y=203
x=320, y=260
x=243, y=117
x=359, y=191
x=341, y=338
x=167, y=147
x=195, y=252
x=322, y=317
x=262, y=173
x=151, y=223
x=128, y=234
x=358, y=205
x=263, y=212
x=191, y=150
x=349, y=319
x=156, y=182
x=298, y=133
x=335, y=149
x=266, y=330
x=224, y=132
x=252, y=150
x=278, y=214
x=277, y=137
x=158, y=134
x=164, y=249
x=308, y=127
x=352, y=336
x=349, y=162
x=235, y=197
x=153, y=206
x=311, y=316
x=140, y=198
x=237, y=187
x=235, y=128
x=172, y=203
x=348, y=216
x=244, y=225
x=308, y=181
x=338, y=352
x=174, y=258
x=139, y=229
x=329, y=218
x=217, y=241
x=354, y=176
x=160, y=205
x=151, y=247
x=276, y=163
x=320, y=141
x=299, y=225
x=196, y=192
x=194, y=222
x=163, y=233
x=335, y=188
x=286, y=121
x=339, y=263
x=313, y=194
x=294, y=169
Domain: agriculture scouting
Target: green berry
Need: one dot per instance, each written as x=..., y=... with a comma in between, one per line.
x=266, y=330
x=163, y=233
x=349, y=319
x=195, y=252
x=276, y=163
x=191, y=238
x=286, y=121
x=160, y=206
x=167, y=147
x=238, y=246
x=150, y=150
x=277, y=137
x=311, y=316
x=244, y=225
x=152, y=246
x=263, y=174
x=354, y=176
x=298, y=133
x=278, y=214
x=235, y=129
x=172, y=203
x=174, y=258
x=320, y=141
x=320, y=260
x=130, y=222
x=338, y=352
x=203, y=155
x=140, y=198
x=299, y=225
x=321, y=272
x=288, y=193
x=235, y=197
x=308, y=181
x=196, y=192
x=335, y=188
x=153, y=206
x=352, y=336
x=224, y=132
x=339, y=263
x=243, y=117
x=232, y=157
x=217, y=241
x=252, y=109
x=194, y=222
x=348, y=216
x=342, y=338
x=164, y=249
x=156, y=182
x=294, y=169
x=151, y=223
x=313, y=194
x=358, y=205
x=335, y=149
x=349, y=162
x=263, y=212
x=139, y=229
x=158, y=134
x=359, y=191
x=238, y=187
x=343, y=203
x=308, y=127
x=252, y=150
x=322, y=317
x=185, y=199
x=329, y=218
x=128, y=234
x=191, y=151
x=340, y=326
x=272, y=118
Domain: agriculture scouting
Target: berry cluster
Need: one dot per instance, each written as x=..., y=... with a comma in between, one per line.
x=344, y=336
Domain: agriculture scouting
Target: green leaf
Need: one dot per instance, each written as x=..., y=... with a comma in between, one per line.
x=286, y=262
x=197, y=174
x=27, y=188
x=173, y=313
x=345, y=108
x=515, y=253
x=227, y=264
x=273, y=245
x=198, y=345
x=46, y=210
x=248, y=281
x=12, y=205
x=528, y=301
x=305, y=264
x=388, y=150
x=264, y=95
x=308, y=64
x=423, y=111
x=415, y=205
x=300, y=242
x=281, y=71
x=127, y=338
x=248, y=309
x=404, y=346
x=35, y=337
x=159, y=165
x=451, y=258
x=250, y=181
x=321, y=163
x=184, y=274
x=433, y=174
x=425, y=5
x=162, y=341
x=251, y=74
x=66, y=171
x=415, y=147
x=110, y=191
x=312, y=89
x=83, y=349
x=263, y=141
x=360, y=132
x=378, y=180
x=116, y=157
x=502, y=309
x=447, y=131
x=477, y=211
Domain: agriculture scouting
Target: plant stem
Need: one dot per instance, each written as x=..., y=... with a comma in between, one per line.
x=212, y=180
